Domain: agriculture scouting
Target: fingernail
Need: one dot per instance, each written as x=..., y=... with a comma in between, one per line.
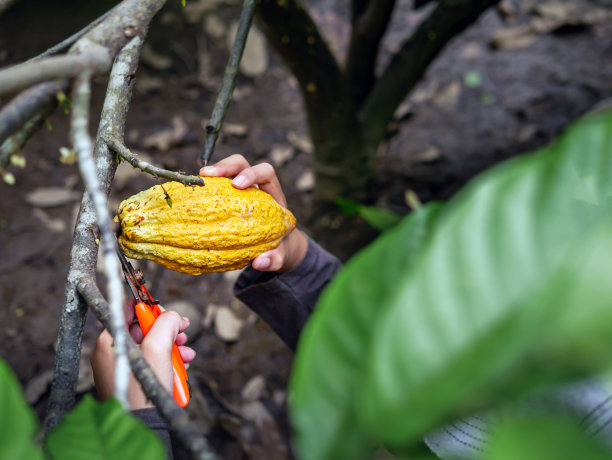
x=239, y=181
x=263, y=263
x=208, y=171
x=186, y=319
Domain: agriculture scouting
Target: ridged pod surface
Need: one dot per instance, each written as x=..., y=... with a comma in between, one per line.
x=213, y=228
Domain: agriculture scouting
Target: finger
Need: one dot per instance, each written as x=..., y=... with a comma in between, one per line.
x=181, y=339
x=129, y=312
x=228, y=167
x=187, y=353
x=136, y=332
x=263, y=175
x=270, y=261
x=163, y=333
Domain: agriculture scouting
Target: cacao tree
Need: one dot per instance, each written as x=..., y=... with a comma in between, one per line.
x=349, y=106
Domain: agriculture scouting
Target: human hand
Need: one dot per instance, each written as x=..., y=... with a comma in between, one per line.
x=156, y=349
x=290, y=252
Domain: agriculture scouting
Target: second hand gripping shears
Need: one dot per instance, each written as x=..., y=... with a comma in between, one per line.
x=147, y=311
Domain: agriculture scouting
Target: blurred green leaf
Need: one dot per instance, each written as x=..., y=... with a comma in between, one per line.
x=102, y=431
x=509, y=290
x=18, y=423
x=543, y=439
x=379, y=218
x=329, y=362
x=508, y=294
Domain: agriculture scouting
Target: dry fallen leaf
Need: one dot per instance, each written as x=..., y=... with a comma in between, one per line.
x=48, y=197
x=300, y=141
x=306, y=182
x=163, y=140
x=227, y=324
x=280, y=154
x=253, y=389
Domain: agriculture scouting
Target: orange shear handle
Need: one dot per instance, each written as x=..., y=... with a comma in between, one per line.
x=147, y=314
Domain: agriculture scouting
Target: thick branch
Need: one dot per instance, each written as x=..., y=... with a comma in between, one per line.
x=128, y=19
x=409, y=64
x=117, y=146
x=174, y=415
x=295, y=36
x=368, y=29
x=27, y=105
x=87, y=166
x=15, y=143
x=97, y=60
x=84, y=246
x=229, y=81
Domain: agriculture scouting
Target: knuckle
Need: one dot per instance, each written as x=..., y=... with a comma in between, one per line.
x=237, y=158
x=267, y=169
x=172, y=316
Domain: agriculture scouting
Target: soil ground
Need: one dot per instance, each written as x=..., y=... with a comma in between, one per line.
x=477, y=105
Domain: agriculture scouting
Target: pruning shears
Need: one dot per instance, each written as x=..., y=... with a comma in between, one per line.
x=147, y=311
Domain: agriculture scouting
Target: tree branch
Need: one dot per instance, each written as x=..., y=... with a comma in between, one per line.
x=229, y=80
x=128, y=19
x=368, y=29
x=15, y=143
x=97, y=60
x=24, y=107
x=176, y=417
x=112, y=268
x=295, y=36
x=84, y=251
x=120, y=149
x=409, y=64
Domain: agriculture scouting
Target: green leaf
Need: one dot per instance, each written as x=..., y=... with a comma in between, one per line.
x=379, y=218
x=498, y=303
x=329, y=361
x=102, y=431
x=18, y=424
x=543, y=438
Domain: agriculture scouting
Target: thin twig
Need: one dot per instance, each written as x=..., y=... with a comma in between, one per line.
x=65, y=44
x=84, y=147
x=97, y=60
x=177, y=418
x=118, y=147
x=229, y=81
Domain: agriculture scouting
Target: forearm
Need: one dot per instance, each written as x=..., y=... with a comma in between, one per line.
x=286, y=300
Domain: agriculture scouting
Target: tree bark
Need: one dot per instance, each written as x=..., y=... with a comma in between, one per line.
x=341, y=165
x=84, y=251
x=349, y=111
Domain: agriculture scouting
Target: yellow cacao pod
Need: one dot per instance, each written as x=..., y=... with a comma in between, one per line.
x=206, y=229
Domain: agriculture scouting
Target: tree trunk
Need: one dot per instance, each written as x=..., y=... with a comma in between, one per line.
x=344, y=160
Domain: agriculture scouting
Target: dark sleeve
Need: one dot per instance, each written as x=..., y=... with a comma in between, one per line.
x=285, y=300
x=151, y=418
